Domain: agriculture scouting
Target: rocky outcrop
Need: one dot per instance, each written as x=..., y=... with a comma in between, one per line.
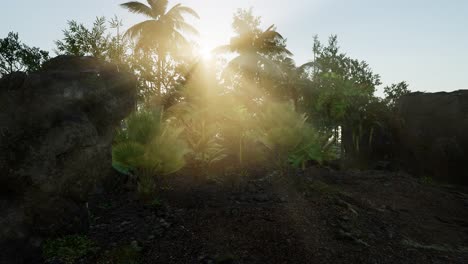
x=433, y=135
x=426, y=135
x=56, y=130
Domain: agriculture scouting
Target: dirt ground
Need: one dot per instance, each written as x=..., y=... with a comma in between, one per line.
x=316, y=216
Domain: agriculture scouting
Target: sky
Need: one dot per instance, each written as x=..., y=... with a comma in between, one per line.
x=422, y=42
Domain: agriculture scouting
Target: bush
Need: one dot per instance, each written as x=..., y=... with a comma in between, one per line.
x=150, y=147
x=201, y=132
x=68, y=249
x=288, y=136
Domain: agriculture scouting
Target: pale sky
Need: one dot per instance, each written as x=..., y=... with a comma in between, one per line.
x=423, y=42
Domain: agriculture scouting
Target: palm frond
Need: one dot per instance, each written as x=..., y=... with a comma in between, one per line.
x=158, y=7
x=187, y=10
x=138, y=8
x=246, y=62
x=136, y=30
x=275, y=49
x=179, y=42
x=185, y=27
x=307, y=65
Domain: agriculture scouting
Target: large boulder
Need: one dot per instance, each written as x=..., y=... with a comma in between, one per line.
x=433, y=135
x=56, y=131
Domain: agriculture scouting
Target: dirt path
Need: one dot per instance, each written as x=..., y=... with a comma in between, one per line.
x=317, y=217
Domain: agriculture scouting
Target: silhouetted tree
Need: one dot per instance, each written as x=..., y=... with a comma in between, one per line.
x=159, y=37
x=97, y=41
x=394, y=92
x=16, y=56
x=255, y=50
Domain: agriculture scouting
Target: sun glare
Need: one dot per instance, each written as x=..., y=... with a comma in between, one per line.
x=206, y=52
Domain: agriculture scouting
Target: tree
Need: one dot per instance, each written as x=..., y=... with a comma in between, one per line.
x=340, y=97
x=394, y=92
x=161, y=36
x=256, y=50
x=340, y=86
x=16, y=56
x=164, y=29
x=97, y=41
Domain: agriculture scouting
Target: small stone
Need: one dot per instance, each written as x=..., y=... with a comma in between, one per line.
x=125, y=223
x=344, y=218
x=261, y=198
x=134, y=244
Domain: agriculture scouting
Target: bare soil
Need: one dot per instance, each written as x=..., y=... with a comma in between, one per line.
x=317, y=216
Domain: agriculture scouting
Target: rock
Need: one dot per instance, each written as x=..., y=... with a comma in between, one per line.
x=261, y=198
x=56, y=130
x=433, y=135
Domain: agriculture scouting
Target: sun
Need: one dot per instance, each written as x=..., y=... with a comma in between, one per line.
x=205, y=47
x=206, y=53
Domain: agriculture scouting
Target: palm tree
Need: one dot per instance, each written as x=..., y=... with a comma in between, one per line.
x=257, y=52
x=162, y=34
x=255, y=49
x=164, y=29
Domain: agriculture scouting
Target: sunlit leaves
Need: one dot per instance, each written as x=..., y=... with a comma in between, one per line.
x=151, y=144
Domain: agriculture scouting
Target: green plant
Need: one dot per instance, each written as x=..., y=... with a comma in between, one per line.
x=203, y=139
x=394, y=92
x=16, y=56
x=288, y=136
x=150, y=147
x=68, y=249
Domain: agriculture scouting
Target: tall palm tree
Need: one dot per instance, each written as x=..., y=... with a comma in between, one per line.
x=161, y=34
x=164, y=29
x=256, y=56
x=255, y=48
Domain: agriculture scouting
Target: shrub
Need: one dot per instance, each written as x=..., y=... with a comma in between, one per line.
x=150, y=147
x=201, y=132
x=288, y=136
x=68, y=249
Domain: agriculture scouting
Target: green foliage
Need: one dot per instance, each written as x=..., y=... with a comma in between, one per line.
x=341, y=87
x=288, y=136
x=240, y=133
x=231, y=115
x=142, y=126
x=97, y=41
x=255, y=49
x=394, y=92
x=16, y=56
x=165, y=153
x=150, y=147
x=68, y=249
x=162, y=51
x=128, y=155
x=200, y=133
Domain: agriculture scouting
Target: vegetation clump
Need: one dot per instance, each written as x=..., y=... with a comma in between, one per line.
x=149, y=146
x=68, y=249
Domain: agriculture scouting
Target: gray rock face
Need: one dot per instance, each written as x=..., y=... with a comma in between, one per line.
x=433, y=137
x=56, y=130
